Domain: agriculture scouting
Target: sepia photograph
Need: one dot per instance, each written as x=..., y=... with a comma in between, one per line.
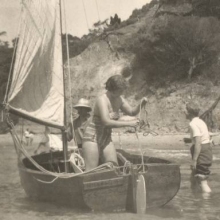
x=110, y=109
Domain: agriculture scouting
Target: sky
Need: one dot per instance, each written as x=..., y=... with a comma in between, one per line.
x=80, y=14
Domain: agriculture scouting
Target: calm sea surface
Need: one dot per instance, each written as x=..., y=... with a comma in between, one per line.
x=14, y=205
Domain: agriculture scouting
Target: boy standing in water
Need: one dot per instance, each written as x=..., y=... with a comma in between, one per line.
x=201, y=150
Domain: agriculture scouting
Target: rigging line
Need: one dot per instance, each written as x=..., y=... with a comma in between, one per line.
x=69, y=74
x=59, y=175
x=68, y=58
x=139, y=143
x=97, y=8
x=64, y=133
x=85, y=14
x=144, y=123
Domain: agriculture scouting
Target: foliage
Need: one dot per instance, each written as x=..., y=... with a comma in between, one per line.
x=75, y=45
x=5, y=63
x=136, y=15
x=206, y=7
x=177, y=47
x=115, y=21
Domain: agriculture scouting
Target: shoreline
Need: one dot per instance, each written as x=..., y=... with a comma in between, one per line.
x=128, y=139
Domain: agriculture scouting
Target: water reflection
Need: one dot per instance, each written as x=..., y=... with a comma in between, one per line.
x=187, y=205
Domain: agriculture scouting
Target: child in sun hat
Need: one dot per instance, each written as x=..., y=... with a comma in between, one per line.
x=79, y=124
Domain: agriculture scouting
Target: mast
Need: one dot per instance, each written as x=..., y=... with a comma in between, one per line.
x=64, y=134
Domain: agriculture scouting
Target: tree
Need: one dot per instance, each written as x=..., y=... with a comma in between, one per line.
x=5, y=63
x=180, y=45
x=115, y=21
x=206, y=8
x=75, y=45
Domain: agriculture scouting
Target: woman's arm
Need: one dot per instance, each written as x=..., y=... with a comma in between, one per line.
x=102, y=110
x=132, y=111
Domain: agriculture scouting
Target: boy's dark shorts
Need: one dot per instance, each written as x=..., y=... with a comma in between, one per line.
x=204, y=160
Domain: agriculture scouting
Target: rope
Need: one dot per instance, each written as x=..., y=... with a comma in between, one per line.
x=139, y=143
x=144, y=123
x=97, y=10
x=19, y=146
x=141, y=150
x=69, y=75
x=20, y=149
x=85, y=14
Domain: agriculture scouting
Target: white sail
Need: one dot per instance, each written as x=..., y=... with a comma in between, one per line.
x=37, y=84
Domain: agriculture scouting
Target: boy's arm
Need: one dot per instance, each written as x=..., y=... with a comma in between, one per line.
x=197, y=150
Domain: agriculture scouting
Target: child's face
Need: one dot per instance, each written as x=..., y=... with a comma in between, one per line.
x=83, y=111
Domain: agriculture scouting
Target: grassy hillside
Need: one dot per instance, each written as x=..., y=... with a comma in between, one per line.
x=163, y=79
x=168, y=51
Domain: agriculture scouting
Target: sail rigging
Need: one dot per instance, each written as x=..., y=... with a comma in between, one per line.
x=37, y=90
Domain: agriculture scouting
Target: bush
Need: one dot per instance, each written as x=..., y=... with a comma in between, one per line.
x=177, y=47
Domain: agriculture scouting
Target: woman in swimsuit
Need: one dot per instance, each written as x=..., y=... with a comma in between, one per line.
x=97, y=143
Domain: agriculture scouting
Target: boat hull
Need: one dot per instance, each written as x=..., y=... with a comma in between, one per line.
x=103, y=190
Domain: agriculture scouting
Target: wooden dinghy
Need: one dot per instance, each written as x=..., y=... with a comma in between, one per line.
x=36, y=91
x=110, y=188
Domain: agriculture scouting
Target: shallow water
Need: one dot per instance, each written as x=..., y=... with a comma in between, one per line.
x=186, y=205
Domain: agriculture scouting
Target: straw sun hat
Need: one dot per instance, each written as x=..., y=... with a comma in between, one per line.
x=83, y=103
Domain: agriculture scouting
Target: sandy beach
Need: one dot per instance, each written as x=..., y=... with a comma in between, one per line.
x=166, y=140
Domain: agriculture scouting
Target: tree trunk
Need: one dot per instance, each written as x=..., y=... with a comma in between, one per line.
x=207, y=115
x=192, y=67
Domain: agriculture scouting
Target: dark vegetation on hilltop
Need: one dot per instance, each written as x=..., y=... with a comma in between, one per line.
x=178, y=48
x=180, y=44
x=175, y=47
x=5, y=63
x=99, y=31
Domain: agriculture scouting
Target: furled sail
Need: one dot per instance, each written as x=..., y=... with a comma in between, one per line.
x=36, y=89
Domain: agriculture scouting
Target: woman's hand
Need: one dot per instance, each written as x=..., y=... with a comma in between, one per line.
x=134, y=123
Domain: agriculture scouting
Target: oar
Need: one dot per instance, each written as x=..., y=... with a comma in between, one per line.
x=140, y=194
x=138, y=180
x=140, y=191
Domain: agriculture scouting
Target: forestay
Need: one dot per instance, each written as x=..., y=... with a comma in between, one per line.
x=37, y=83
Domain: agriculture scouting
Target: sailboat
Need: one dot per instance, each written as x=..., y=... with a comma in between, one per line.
x=36, y=92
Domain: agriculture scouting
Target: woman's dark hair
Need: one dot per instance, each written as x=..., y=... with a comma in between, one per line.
x=116, y=82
